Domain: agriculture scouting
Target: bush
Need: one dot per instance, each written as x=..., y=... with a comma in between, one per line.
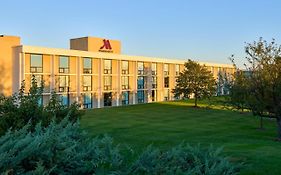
x=62, y=148
x=19, y=109
x=183, y=159
x=57, y=149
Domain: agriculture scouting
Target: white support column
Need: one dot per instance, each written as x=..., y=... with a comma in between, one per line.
x=78, y=78
x=99, y=82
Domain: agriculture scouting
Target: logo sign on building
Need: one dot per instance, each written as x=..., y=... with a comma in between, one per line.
x=106, y=47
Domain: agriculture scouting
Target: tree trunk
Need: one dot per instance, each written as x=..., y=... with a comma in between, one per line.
x=279, y=128
x=195, y=103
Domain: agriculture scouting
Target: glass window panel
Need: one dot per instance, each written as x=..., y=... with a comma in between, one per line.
x=107, y=80
x=36, y=60
x=125, y=65
x=87, y=81
x=64, y=62
x=87, y=63
x=107, y=64
x=64, y=100
x=140, y=66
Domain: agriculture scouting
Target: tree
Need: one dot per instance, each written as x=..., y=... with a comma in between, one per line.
x=264, y=80
x=195, y=81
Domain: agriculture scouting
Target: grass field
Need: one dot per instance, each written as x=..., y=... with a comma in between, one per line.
x=169, y=123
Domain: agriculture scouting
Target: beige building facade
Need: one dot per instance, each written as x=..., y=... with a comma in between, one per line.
x=93, y=72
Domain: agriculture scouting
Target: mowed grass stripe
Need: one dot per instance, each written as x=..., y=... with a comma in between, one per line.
x=169, y=123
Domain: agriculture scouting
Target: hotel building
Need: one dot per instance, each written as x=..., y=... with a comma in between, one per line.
x=93, y=72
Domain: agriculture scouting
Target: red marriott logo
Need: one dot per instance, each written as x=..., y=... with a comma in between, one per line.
x=106, y=45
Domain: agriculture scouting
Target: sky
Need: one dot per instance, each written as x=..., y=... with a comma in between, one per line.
x=202, y=30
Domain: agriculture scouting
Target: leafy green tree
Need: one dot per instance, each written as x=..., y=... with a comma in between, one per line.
x=196, y=81
x=264, y=80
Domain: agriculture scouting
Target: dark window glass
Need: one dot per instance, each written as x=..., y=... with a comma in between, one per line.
x=125, y=98
x=64, y=99
x=166, y=82
x=141, y=82
x=87, y=101
x=36, y=63
x=107, y=99
x=153, y=95
x=154, y=82
x=140, y=96
x=64, y=64
x=87, y=65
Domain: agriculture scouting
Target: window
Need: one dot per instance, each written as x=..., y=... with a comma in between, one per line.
x=125, y=82
x=141, y=82
x=177, y=69
x=64, y=64
x=38, y=79
x=154, y=82
x=87, y=101
x=125, y=98
x=166, y=82
x=166, y=69
x=125, y=67
x=87, y=83
x=140, y=96
x=107, y=99
x=40, y=101
x=64, y=83
x=153, y=95
x=87, y=65
x=140, y=68
x=107, y=67
x=64, y=100
x=166, y=94
x=36, y=63
x=107, y=83
x=154, y=68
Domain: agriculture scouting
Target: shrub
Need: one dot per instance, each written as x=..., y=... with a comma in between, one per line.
x=62, y=148
x=183, y=159
x=57, y=149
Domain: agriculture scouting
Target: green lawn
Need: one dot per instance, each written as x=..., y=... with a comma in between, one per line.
x=169, y=123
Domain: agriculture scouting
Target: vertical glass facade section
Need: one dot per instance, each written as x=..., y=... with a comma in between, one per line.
x=36, y=63
x=107, y=67
x=107, y=99
x=177, y=68
x=154, y=82
x=63, y=83
x=140, y=95
x=166, y=82
x=166, y=69
x=87, y=65
x=125, y=67
x=140, y=82
x=125, y=82
x=140, y=68
x=166, y=94
x=64, y=99
x=154, y=68
x=87, y=83
x=64, y=64
x=87, y=101
x=125, y=98
x=107, y=83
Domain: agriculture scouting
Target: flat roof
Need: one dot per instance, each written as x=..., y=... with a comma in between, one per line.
x=79, y=53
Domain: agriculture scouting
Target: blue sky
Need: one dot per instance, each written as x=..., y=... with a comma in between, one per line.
x=205, y=30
